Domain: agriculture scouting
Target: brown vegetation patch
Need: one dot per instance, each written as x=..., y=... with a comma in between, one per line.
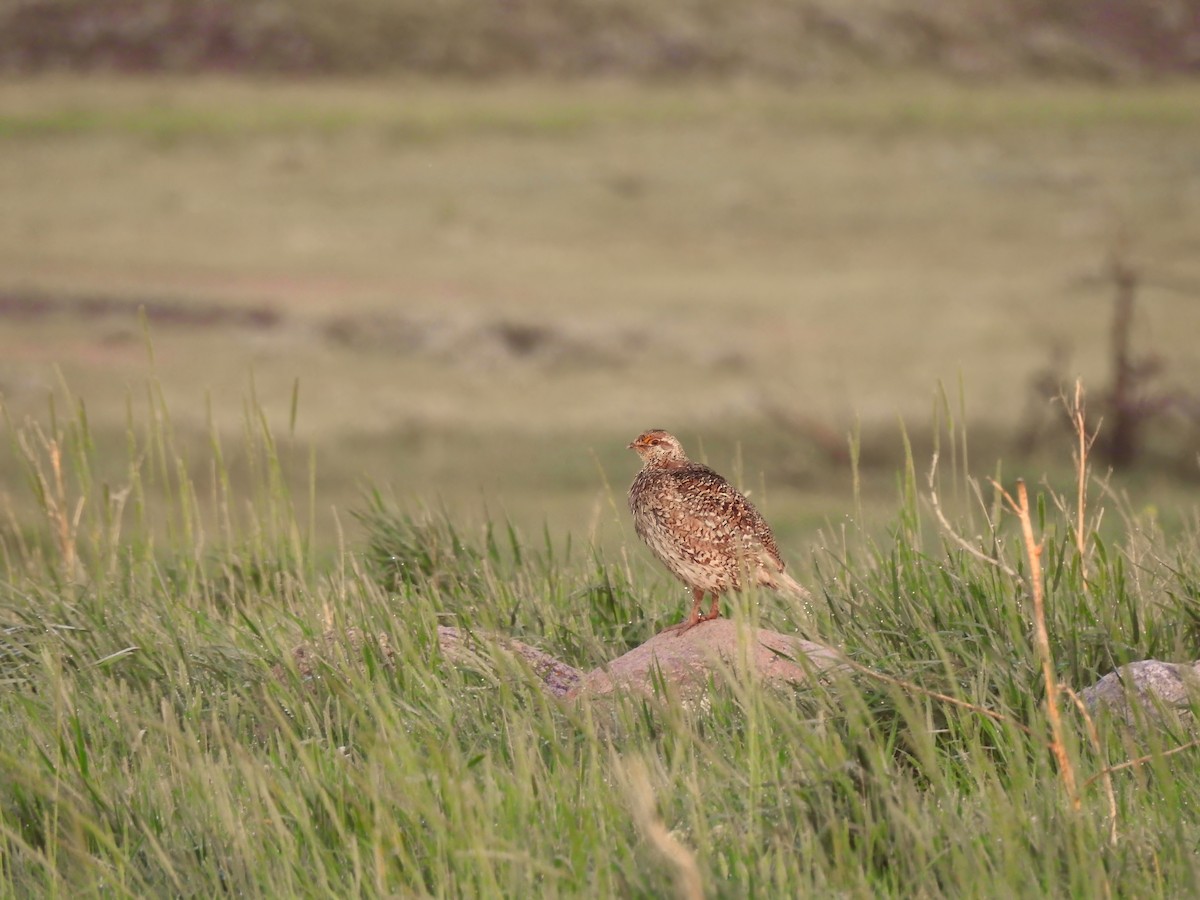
x=151, y=36
x=478, y=343
x=484, y=343
x=33, y=305
x=778, y=39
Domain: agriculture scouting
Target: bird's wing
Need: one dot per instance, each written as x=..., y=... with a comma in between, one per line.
x=718, y=517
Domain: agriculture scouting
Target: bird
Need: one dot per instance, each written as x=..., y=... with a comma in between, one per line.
x=701, y=527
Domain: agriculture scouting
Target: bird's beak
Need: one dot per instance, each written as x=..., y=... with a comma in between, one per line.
x=633, y=445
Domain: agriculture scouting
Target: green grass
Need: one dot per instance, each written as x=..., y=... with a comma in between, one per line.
x=172, y=109
x=162, y=737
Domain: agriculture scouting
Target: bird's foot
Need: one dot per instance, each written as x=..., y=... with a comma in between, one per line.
x=690, y=622
x=686, y=625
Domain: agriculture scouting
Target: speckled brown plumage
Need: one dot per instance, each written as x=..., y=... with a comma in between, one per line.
x=703, y=529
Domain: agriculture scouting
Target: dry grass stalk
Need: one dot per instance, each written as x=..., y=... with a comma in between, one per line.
x=1104, y=774
x=52, y=492
x=641, y=798
x=1066, y=770
x=1075, y=409
x=949, y=531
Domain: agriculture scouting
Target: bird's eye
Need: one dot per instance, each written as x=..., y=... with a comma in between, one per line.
x=656, y=441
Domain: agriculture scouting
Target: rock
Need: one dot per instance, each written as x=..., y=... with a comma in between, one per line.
x=335, y=649
x=1155, y=687
x=558, y=677
x=689, y=659
x=685, y=661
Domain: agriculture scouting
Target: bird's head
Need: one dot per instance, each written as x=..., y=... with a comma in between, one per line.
x=657, y=447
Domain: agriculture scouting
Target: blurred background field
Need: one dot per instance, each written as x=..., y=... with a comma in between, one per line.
x=482, y=246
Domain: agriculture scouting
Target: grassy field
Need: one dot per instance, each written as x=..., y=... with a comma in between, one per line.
x=232, y=310
x=163, y=736
x=540, y=272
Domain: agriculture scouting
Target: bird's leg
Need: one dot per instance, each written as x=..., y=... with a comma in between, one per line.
x=714, y=611
x=692, y=620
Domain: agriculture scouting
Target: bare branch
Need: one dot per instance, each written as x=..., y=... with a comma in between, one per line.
x=1132, y=763
x=945, y=698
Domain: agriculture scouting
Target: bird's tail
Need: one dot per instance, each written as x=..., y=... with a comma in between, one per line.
x=782, y=581
x=792, y=586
